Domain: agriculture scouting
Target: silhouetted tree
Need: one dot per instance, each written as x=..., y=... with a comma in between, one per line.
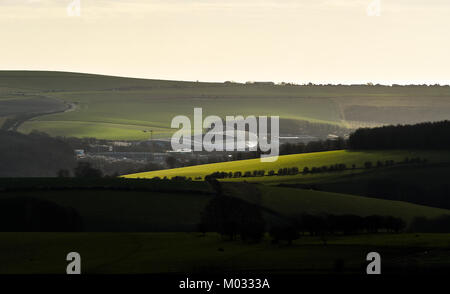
x=394, y=224
x=368, y=164
x=63, y=173
x=287, y=233
x=373, y=223
x=171, y=161
x=85, y=170
x=230, y=217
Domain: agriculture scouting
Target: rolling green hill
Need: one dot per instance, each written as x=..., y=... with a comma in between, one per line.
x=123, y=108
x=120, y=206
x=316, y=159
x=118, y=211
x=291, y=202
x=162, y=206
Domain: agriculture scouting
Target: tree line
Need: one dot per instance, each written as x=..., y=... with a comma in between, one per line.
x=33, y=155
x=327, y=225
x=232, y=218
x=287, y=171
x=429, y=135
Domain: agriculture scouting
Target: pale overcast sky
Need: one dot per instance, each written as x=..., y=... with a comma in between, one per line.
x=209, y=40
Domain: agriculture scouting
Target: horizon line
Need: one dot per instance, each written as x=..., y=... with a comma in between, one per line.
x=241, y=82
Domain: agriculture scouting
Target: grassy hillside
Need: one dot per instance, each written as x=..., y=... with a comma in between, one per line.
x=121, y=206
x=189, y=253
x=115, y=205
x=122, y=108
x=310, y=160
x=125, y=211
x=416, y=184
x=427, y=179
x=291, y=202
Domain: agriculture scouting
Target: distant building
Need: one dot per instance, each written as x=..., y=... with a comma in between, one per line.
x=80, y=153
x=122, y=144
x=182, y=150
x=264, y=83
x=260, y=83
x=332, y=137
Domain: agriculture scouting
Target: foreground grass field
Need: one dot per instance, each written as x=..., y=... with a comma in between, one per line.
x=123, y=108
x=110, y=208
x=192, y=253
x=309, y=160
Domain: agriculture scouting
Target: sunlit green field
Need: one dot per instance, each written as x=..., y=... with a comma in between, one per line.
x=193, y=253
x=125, y=114
x=123, y=108
x=81, y=129
x=309, y=160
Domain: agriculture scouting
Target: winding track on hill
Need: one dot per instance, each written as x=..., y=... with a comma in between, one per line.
x=18, y=120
